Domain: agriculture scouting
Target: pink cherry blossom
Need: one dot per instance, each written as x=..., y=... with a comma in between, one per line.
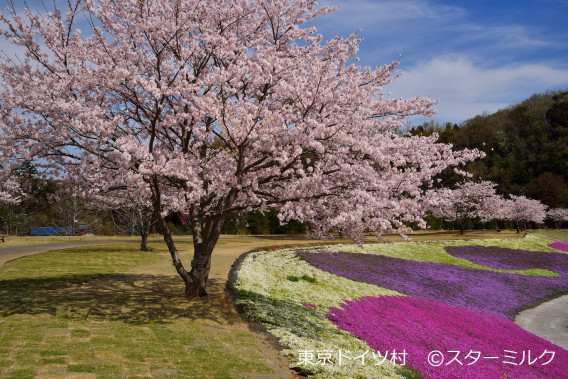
x=522, y=210
x=558, y=215
x=467, y=201
x=211, y=107
x=9, y=188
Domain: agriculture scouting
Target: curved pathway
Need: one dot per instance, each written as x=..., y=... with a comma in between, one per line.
x=549, y=321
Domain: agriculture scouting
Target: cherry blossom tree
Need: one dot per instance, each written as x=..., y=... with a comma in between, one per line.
x=558, y=215
x=129, y=204
x=468, y=200
x=134, y=219
x=10, y=191
x=522, y=210
x=131, y=215
x=10, y=194
x=215, y=107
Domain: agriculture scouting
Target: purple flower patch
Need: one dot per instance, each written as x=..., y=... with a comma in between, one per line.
x=559, y=246
x=417, y=327
x=500, y=294
x=511, y=259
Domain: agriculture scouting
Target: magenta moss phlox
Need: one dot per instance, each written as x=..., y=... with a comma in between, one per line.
x=419, y=326
x=559, y=246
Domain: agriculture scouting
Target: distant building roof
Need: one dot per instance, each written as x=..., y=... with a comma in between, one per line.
x=51, y=230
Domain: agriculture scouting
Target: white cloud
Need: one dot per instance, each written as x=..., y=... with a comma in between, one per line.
x=374, y=13
x=519, y=36
x=427, y=28
x=465, y=89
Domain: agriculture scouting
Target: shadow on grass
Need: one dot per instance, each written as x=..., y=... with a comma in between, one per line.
x=128, y=297
x=294, y=318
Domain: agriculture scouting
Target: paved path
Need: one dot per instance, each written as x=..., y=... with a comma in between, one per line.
x=548, y=320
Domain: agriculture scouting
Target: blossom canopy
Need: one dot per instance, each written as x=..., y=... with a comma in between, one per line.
x=215, y=106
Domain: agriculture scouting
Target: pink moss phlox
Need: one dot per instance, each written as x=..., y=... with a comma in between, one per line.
x=559, y=246
x=419, y=326
x=310, y=305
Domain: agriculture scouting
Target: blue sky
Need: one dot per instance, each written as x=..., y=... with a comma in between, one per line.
x=471, y=55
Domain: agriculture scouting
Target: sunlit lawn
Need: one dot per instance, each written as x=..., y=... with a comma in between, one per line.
x=14, y=241
x=81, y=312
x=557, y=234
x=429, y=235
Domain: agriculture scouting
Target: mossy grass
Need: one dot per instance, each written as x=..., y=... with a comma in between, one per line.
x=308, y=278
x=557, y=234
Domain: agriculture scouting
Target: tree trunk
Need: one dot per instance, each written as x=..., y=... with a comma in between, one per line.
x=144, y=241
x=205, y=238
x=200, y=266
x=176, y=261
x=205, y=231
x=203, y=244
x=462, y=227
x=157, y=208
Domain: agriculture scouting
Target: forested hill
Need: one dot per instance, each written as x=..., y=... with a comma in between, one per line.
x=526, y=146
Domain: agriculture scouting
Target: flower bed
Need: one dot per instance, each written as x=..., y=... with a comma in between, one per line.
x=512, y=259
x=417, y=327
x=501, y=294
x=295, y=311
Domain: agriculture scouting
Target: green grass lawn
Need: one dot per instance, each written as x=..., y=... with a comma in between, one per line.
x=559, y=234
x=13, y=241
x=421, y=235
x=104, y=312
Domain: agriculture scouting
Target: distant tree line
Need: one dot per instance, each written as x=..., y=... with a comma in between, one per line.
x=45, y=204
x=526, y=147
